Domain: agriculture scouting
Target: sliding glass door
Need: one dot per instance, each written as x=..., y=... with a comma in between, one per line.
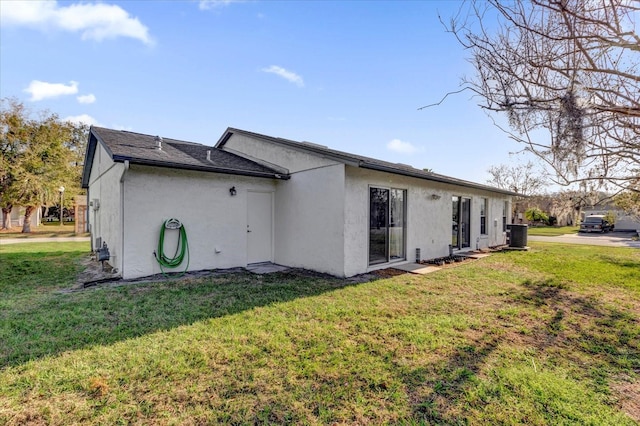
x=387, y=225
x=461, y=231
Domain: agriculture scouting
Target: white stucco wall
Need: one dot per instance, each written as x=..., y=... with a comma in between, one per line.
x=104, y=186
x=310, y=220
x=429, y=216
x=216, y=223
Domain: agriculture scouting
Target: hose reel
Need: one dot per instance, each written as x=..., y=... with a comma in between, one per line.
x=182, y=246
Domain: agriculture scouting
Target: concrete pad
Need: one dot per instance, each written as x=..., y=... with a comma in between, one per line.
x=265, y=268
x=472, y=255
x=416, y=268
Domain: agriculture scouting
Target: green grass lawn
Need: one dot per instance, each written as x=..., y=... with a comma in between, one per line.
x=552, y=231
x=550, y=336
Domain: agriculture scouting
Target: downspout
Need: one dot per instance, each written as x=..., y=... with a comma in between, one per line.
x=122, y=178
x=88, y=223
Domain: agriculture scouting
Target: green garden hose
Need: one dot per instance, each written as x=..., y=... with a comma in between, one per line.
x=182, y=247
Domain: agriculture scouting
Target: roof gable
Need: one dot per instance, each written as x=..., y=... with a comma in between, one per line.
x=361, y=161
x=137, y=148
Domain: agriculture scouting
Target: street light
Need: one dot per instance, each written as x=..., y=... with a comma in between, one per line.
x=61, y=189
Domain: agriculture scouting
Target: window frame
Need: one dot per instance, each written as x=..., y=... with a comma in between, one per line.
x=484, y=213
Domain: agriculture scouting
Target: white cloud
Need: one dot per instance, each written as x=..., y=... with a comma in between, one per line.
x=122, y=127
x=82, y=119
x=215, y=4
x=287, y=75
x=40, y=90
x=86, y=99
x=402, y=147
x=96, y=21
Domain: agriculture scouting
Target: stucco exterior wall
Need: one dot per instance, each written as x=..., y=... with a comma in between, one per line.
x=310, y=220
x=428, y=217
x=275, y=155
x=216, y=222
x=105, y=221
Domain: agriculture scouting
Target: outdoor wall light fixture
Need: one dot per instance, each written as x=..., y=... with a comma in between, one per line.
x=232, y=191
x=435, y=197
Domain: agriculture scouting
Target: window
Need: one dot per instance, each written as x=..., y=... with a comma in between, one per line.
x=484, y=208
x=505, y=211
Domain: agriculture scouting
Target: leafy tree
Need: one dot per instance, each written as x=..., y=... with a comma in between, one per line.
x=610, y=217
x=629, y=202
x=534, y=215
x=39, y=155
x=566, y=75
x=13, y=130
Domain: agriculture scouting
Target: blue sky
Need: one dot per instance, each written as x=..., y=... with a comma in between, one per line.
x=347, y=74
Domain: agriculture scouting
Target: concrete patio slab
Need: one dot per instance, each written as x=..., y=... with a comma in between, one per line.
x=416, y=268
x=265, y=268
x=472, y=255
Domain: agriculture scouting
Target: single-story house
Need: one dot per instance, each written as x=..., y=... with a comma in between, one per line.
x=254, y=198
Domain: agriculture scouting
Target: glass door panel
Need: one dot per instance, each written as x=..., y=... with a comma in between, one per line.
x=378, y=225
x=465, y=223
x=397, y=225
x=455, y=208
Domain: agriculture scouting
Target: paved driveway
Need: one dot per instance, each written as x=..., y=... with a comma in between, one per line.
x=611, y=239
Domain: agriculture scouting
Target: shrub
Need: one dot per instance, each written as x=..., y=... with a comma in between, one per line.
x=534, y=215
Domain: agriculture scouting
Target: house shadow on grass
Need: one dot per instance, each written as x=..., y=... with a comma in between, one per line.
x=44, y=321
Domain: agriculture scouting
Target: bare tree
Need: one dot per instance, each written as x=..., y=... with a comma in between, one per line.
x=524, y=179
x=566, y=74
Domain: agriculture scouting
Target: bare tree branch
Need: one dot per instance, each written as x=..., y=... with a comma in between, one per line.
x=566, y=75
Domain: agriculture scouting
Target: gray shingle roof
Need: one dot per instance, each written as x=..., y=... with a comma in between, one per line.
x=139, y=148
x=362, y=161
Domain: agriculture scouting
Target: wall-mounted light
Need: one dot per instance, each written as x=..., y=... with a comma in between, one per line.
x=232, y=191
x=435, y=197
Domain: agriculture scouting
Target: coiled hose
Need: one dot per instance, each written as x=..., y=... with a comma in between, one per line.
x=182, y=247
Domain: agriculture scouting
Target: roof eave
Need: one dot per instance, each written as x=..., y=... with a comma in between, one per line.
x=211, y=169
x=434, y=178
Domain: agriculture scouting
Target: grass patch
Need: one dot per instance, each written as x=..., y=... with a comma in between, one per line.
x=552, y=231
x=503, y=340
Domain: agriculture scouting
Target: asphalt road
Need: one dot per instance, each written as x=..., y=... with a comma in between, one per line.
x=611, y=239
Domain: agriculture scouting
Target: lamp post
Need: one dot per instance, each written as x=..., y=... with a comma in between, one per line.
x=61, y=189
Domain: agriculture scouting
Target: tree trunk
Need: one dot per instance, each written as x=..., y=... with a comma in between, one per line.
x=6, y=216
x=26, y=226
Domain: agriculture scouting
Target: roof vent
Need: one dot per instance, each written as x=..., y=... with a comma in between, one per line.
x=158, y=141
x=316, y=145
x=209, y=155
x=405, y=165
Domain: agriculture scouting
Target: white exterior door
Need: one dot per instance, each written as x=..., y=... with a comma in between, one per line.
x=259, y=227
